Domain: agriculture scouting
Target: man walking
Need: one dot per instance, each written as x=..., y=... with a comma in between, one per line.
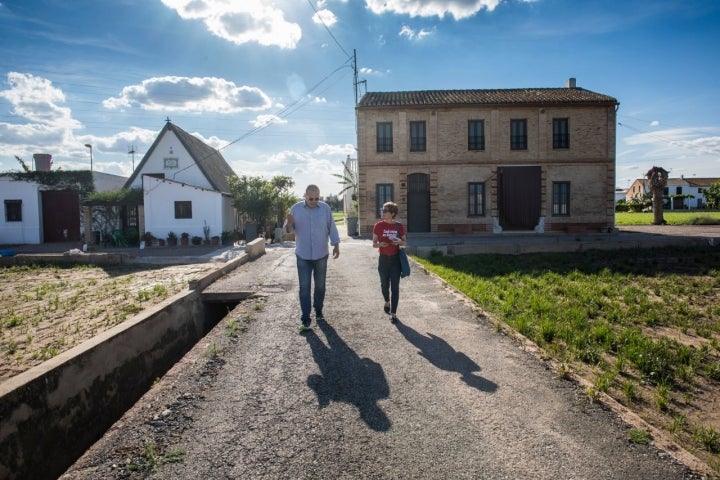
x=312, y=222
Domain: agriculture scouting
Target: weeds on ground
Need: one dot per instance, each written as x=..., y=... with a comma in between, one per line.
x=643, y=326
x=151, y=459
x=63, y=306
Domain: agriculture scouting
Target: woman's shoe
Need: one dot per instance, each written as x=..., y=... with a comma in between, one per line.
x=393, y=318
x=387, y=308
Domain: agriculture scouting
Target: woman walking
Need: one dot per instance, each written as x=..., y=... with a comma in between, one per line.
x=388, y=237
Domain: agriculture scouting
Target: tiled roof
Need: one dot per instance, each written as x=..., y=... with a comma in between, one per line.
x=514, y=96
x=209, y=160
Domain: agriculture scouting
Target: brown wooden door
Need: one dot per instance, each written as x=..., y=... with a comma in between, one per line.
x=418, y=200
x=519, y=197
x=61, y=216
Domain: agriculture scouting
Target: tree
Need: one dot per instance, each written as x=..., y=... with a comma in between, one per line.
x=712, y=195
x=658, y=177
x=260, y=199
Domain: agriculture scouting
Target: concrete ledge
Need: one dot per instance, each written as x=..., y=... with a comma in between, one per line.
x=52, y=413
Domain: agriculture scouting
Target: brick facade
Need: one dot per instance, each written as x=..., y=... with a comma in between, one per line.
x=588, y=164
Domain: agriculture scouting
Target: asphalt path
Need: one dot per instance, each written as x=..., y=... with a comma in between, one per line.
x=440, y=395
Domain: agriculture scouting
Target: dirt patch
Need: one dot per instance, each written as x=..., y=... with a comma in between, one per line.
x=50, y=309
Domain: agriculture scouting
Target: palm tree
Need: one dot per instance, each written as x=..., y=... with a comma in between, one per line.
x=658, y=177
x=349, y=180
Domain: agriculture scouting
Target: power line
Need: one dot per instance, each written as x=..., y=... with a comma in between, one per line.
x=327, y=28
x=676, y=143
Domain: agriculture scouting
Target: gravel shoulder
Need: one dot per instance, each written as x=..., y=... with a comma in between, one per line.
x=442, y=394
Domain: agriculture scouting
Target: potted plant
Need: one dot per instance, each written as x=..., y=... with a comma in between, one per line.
x=148, y=239
x=161, y=242
x=196, y=240
x=215, y=240
x=206, y=232
x=184, y=239
x=228, y=237
x=172, y=239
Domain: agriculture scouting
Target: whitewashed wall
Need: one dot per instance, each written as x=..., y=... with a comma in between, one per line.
x=29, y=230
x=160, y=197
x=187, y=170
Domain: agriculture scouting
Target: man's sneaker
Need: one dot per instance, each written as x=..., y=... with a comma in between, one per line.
x=304, y=325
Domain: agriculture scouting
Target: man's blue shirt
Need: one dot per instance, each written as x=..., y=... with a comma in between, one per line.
x=312, y=227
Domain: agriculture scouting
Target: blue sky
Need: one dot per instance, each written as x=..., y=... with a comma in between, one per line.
x=270, y=83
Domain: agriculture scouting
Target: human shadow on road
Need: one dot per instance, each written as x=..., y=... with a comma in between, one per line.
x=345, y=377
x=439, y=353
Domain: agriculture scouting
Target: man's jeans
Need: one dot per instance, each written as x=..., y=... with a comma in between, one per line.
x=317, y=269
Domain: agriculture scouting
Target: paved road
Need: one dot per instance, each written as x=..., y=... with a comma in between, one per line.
x=441, y=394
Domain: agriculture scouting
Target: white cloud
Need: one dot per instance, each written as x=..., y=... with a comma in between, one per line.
x=316, y=167
x=325, y=17
x=327, y=149
x=241, y=22
x=655, y=123
x=458, y=9
x=206, y=94
x=265, y=120
x=36, y=99
x=411, y=34
x=371, y=71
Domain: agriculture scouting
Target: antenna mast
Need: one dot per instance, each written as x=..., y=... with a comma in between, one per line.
x=132, y=151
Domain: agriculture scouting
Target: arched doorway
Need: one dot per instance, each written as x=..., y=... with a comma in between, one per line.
x=418, y=202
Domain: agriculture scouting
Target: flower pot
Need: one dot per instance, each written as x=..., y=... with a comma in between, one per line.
x=184, y=241
x=215, y=240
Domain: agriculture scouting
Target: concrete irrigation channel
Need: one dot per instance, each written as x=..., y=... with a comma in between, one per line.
x=51, y=414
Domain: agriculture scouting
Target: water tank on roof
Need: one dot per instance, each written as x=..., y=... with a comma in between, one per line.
x=43, y=161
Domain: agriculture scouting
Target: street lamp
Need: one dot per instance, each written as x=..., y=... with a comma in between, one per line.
x=90, y=147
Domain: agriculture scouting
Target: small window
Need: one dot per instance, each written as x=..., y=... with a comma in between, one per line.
x=384, y=137
x=476, y=199
x=183, y=209
x=13, y=210
x=678, y=190
x=561, y=133
x=170, y=162
x=518, y=134
x=561, y=198
x=384, y=194
x=132, y=216
x=476, y=134
x=417, y=137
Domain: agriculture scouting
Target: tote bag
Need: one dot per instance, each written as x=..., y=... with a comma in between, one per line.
x=404, y=263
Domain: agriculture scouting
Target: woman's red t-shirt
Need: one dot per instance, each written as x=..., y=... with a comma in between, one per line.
x=386, y=232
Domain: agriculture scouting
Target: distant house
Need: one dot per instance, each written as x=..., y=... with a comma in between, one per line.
x=43, y=206
x=462, y=161
x=185, y=187
x=680, y=193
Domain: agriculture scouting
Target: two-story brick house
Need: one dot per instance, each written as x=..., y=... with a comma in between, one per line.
x=461, y=161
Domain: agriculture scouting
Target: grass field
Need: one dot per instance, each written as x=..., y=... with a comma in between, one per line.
x=643, y=327
x=687, y=217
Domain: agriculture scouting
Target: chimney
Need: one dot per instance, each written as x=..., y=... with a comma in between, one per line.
x=43, y=162
x=571, y=83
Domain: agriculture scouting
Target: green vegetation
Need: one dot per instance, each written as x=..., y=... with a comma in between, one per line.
x=641, y=437
x=151, y=459
x=685, y=217
x=642, y=326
